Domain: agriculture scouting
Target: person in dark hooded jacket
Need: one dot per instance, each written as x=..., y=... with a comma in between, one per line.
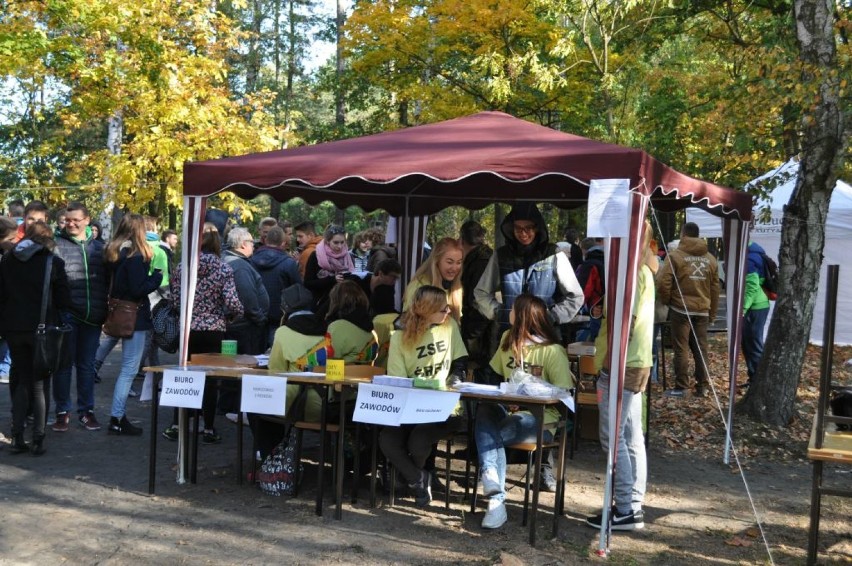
x=22, y=274
x=277, y=271
x=479, y=333
x=528, y=263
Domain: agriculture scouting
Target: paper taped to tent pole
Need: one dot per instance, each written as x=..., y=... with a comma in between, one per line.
x=608, y=214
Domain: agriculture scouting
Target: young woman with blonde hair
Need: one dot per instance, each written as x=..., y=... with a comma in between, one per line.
x=443, y=270
x=128, y=259
x=429, y=346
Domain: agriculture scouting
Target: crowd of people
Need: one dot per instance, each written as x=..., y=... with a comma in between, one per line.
x=469, y=311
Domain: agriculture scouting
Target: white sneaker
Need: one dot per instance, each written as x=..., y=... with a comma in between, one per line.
x=4, y=378
x=233, y=418
x=496, y=516
x=490, y=482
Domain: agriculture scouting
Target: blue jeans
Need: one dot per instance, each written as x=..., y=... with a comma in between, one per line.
x=495, y=428
x=631, y=468
x=753, y=323
x=5, y=358
x=131, y=354
x=106, y=346
x=84, y=343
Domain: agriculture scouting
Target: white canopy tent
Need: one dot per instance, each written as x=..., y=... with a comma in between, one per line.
x=767, y=233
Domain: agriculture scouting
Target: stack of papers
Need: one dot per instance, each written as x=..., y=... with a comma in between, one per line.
x=479, y=388
x=393, y=380
x=262, y=360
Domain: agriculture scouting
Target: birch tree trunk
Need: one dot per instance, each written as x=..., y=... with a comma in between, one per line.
x=772, y=396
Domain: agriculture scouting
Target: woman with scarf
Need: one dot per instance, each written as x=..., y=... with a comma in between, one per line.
x=429, y=346
x=531, y=342
x=443, y=269
x=128, y=257
x=328, y=265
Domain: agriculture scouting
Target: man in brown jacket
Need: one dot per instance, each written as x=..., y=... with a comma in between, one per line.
x=688, y=282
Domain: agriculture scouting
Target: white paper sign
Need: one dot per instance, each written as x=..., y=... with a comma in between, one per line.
x=147, y=387
x=424, y=406
x=264, y=395
x=569, y=402
x=380, y=404
x=608, y=208
x=709, y=226
x=183, y=388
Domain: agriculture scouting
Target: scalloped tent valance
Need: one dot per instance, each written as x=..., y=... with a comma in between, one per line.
x=471, y=161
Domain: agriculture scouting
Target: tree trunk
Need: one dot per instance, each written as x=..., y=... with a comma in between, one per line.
x=340, y=108
x=772, y=396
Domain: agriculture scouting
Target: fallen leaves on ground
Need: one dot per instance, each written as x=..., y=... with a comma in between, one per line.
x=694, y=424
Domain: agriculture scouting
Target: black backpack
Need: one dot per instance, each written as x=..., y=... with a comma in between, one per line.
x=770, y=272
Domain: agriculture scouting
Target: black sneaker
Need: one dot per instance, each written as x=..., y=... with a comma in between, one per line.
x=547, y=481
x=210, y=436
x=701, y=391
x=123, y=427
x=422, y=489
x=677, y=392
x=171, y=433
x=633, y=521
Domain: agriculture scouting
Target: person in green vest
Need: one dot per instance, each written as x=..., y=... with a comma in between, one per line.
x=532, y=345
x=350, y=326
x=429, y=346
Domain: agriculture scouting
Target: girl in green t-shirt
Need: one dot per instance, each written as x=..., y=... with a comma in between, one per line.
x=428, y=346
x=443, y=269
x=530, y=341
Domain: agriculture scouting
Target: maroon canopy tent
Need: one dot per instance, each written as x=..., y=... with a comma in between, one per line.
x=472, y=162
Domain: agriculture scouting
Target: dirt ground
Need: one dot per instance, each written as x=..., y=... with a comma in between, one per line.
x=86, y=502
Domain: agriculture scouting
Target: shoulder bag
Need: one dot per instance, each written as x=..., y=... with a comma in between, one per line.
x=51, y=349
x=121, y=315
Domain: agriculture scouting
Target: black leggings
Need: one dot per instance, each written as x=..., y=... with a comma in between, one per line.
x=27, y=389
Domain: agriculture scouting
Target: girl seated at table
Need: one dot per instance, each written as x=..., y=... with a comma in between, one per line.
x=429, y=346
x=350, y=326
x=530, y=342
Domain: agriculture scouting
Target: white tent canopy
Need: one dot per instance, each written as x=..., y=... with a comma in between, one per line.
x=767, y=232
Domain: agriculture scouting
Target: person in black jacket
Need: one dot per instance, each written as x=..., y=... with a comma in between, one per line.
x=87, y=281
x=277, y=271
x=248, y=330
x=128, y=259
x=479, y=333
x=22, y=274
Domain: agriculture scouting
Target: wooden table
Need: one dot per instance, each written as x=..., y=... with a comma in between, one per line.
x=536, y=405
x=235, y=374
x=836, y=447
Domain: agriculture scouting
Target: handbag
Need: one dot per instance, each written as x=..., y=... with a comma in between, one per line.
x=280, y=472
x=51, y=348
x=166, y=321
x=121, y=316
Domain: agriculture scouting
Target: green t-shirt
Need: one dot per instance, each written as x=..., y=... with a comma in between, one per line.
x=291, y=352
x=553, y=360
x=160, y=261
x=640, y=342
x=431, y=357
x=383, y=325
x=351, y=343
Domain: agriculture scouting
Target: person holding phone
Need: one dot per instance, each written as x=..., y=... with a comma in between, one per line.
x=328, y=265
